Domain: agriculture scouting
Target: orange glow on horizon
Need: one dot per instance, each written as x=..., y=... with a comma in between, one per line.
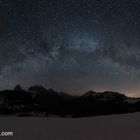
x=129, y=93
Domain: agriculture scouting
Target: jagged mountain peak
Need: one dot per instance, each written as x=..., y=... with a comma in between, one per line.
x=18, y=88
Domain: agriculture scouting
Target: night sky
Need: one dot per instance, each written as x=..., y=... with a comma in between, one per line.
x=71, y=45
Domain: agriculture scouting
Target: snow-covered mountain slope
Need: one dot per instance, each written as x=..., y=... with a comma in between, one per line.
x=132, y=100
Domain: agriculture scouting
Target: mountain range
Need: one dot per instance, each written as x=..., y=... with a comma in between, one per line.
x=39, y=101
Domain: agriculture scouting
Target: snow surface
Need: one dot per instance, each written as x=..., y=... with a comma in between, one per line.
x=111, y=127
x=132, y=100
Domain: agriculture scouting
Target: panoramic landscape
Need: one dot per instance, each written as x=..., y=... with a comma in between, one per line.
x=70, y=69
x=40, y=113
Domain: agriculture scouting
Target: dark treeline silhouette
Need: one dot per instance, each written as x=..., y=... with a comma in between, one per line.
x=38, y=101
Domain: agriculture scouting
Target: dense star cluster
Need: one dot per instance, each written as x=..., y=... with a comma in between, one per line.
x=71, y=45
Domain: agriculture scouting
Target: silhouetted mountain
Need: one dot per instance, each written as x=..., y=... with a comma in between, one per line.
x=107, y=95
x=37, y=89
x=39, y=101
x=15, y=101
x=90, y=94
x=18, y=88
x=66, y=96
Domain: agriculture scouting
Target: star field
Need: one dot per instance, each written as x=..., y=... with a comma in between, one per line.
x=71, y=45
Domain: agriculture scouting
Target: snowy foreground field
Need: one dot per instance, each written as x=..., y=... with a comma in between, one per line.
x=111, y=127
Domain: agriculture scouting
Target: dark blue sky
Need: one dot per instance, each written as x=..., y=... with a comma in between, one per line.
x=71, y=45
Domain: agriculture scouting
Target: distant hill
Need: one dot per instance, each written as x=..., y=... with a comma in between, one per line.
x=39, y=101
